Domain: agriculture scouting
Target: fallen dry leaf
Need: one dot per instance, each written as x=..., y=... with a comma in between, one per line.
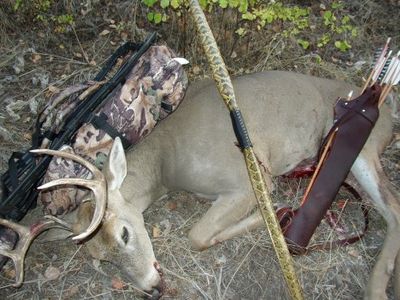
x=342, y=203
x=196, y=70
x=35, y=58
x=117, y=283
x=52, y=273
x=53, y=89
x=9, y=273
x=71, y=291
x=104, y=32
x=171, y=205
x=354, y=253
x=156, y=232
x=124, y=36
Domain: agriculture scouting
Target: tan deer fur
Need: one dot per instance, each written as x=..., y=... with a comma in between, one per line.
x=287, y=115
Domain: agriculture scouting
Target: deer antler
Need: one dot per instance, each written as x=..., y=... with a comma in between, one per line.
x=98, y=185
x=26, y=236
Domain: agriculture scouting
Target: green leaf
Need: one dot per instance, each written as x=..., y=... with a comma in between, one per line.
x=149, y=3
x=249, y=16
x=150, y=16
x=324, y=40
x=175, y=4
x=327, y=17
x=241, y=31
x=203, y=3
x=17, y=4
x=303, y=43
x=337, y=5
x=244, y=5
x=157, y=18
x=164, y=3
x=342, y=45
x=223, y=3
x=234, y=3
x=345, y=20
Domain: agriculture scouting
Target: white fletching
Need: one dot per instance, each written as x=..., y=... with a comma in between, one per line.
x=379, y=66
x=396, y=80
x=390, y=70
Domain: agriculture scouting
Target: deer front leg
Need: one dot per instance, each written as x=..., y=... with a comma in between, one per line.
x=368, y=172
x=227, y=211
x=246, y=225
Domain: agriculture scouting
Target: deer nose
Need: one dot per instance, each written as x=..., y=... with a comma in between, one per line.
x=158, y=290
x=156, y=294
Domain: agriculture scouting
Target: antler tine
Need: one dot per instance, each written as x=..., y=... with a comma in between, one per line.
x=90, y=184
x=99, y=190
x=98, y=185
x=100, y=195
x=26, y=237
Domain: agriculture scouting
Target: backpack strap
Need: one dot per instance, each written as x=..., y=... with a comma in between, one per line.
x=100, y=122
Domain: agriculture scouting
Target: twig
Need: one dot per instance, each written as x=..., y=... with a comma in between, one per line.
x=80, y=46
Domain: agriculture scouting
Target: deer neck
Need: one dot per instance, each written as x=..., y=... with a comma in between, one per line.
x=143, y=182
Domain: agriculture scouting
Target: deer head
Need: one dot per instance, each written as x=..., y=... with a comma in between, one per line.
x=121, y=238
x=112, y=228
x=26, y=235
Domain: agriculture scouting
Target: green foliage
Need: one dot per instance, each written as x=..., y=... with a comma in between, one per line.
x=342, y=45
x=295, y=16
x=303, y=43
x=39, y=11
x=17, y=4
x=339, y=25
x=149, y=3
x=332, y=24
x=156, y=17
x=62, y=22
x=241, y=31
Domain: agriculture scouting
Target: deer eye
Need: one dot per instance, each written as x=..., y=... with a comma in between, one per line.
x=125, y=235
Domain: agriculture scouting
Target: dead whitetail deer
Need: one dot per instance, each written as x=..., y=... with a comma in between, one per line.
x=287, y=114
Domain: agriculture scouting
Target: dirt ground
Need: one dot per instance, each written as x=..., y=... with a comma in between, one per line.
x=36, y=63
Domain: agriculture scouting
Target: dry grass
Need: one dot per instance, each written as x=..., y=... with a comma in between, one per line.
x=242, y=268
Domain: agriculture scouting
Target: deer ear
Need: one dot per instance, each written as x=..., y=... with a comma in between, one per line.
x=116, y=168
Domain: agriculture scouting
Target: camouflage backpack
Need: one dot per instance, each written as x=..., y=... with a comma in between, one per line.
x=153, y=89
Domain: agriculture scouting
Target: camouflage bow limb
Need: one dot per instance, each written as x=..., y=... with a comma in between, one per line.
x=225, y=88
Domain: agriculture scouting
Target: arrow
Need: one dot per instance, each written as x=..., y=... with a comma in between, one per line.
x=378, y=62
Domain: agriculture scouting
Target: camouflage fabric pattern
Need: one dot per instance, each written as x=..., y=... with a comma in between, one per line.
x=59, y=201
x=133, y=109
